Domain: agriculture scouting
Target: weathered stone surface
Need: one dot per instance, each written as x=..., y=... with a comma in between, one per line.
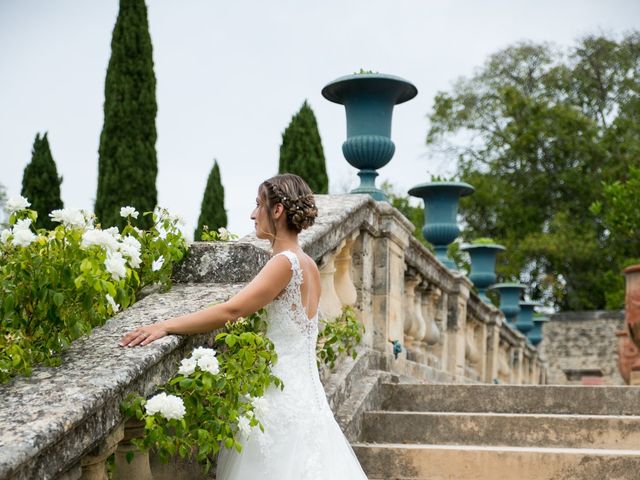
x=51, y=419
x=532, y=399
x=440, y=462
x=220, y=262
x=582, y=340
x=516, y=430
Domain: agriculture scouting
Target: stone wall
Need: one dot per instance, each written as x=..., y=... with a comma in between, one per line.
x=582, y=341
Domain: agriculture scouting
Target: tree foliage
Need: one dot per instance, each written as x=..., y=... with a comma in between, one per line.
x=538, y=132
x=127, y=166
x=41, y=183
x=212, y=212
x=301, y=150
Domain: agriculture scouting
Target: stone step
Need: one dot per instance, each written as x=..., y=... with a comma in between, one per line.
x=542, y=399
x=445, y=428
x=442, y=462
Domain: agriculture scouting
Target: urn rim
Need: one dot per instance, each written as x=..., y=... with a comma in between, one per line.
x=421, y=189
x=335, y=91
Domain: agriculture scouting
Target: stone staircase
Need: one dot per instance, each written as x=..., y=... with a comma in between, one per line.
x=496, y=432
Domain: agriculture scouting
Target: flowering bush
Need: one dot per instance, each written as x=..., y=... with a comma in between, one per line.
x=222, y=235
x=214, y=399
x=57, y=285
x=339, y=336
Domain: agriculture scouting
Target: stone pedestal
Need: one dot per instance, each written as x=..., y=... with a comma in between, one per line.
x=93, y=464
x=138, y=467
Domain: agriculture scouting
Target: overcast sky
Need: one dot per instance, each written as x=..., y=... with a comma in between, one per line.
x=230, y=74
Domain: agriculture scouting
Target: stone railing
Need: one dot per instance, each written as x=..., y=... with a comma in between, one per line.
x=64, y=422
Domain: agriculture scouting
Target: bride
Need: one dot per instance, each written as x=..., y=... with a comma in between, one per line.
x=301, y=439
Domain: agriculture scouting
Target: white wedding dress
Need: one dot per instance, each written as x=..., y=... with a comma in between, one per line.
x=301, y=439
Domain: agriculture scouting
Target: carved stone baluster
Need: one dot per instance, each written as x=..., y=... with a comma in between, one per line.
x=330, y=305
x=429, y=334
x=411, y=280
x=472, y=354
x=139, y=467
x=344, y=286
x=504, y=364
x=94, y=463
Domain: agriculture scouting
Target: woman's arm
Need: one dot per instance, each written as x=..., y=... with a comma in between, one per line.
x=266, y=286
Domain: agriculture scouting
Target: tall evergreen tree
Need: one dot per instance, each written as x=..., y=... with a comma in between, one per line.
x=41, y=183
x=301, y=150
x=212, y=212
x=127, y=166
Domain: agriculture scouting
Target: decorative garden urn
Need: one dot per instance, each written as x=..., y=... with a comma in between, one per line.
x=632, y=303
x=628, y=356
x=525, y=317
x=509, y=299
x=441, y=201
x=368, y=100
x=483, y=266
x=629, y=337
x=535, y=334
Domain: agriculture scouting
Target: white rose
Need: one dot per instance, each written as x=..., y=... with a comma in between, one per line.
x=209, y=364
x=130, y=248
x=128, y=212
x=16, y=204
x=260, y=406
x=69, y=217
x=187, y=366
x=244, y=426
x=169, y=406
x=114, y=306
x=115, y=264
x=223, y=234
x=100, y=238
x=201, y=352
x=157, y=264
x=22, y=237
x=24, y=224
x=4, y=235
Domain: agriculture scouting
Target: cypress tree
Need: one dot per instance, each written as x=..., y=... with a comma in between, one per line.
x=212, y=212
x=301, y=150
x=127, y=166
x=41, y=183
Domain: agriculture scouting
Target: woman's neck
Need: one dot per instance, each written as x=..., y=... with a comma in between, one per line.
x=285, y=242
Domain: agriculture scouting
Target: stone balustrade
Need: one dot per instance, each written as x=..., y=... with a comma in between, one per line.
x=64, y=422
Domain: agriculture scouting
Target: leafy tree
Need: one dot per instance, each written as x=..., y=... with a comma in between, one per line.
x=41, y=183
x=212, y=212
x=127, y=167
x=301, y=150
x=537, y=131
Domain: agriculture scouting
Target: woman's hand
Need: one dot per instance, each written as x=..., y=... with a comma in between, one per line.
x=143, y=335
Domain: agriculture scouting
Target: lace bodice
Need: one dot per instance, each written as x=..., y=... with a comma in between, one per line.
x=287, y=310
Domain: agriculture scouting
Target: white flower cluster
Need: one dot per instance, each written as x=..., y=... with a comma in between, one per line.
x=17, y=204
x=169, y=406
x=205, y=358
x=260, y=406
x=244, y=426
x=72, y=218
x=20, y=234
x=223, y=234
x=120, y=250
x=128, y=212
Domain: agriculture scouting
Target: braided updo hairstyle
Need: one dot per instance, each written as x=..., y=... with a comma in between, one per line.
x=296, y=197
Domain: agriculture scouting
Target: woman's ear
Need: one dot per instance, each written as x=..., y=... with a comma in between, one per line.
x=278, y=210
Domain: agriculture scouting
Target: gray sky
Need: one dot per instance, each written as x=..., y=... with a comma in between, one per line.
x=231, y=74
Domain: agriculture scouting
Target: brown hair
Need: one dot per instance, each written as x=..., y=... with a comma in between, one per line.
x=295, y=196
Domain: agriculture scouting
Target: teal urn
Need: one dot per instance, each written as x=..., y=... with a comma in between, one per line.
x=535, y=334
x=525, y=317
x=368, y=99
x=483, y=266
x=509, y=294
x=441, y=200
